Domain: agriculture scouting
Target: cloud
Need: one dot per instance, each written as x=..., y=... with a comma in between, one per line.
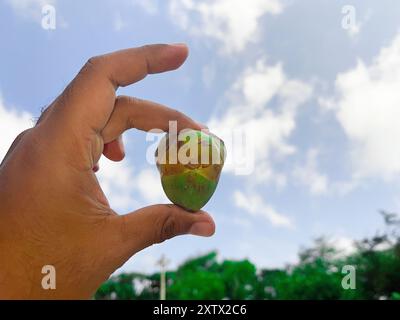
x=12, y=122
x=309, y=175
x=255, y=206
x=232, y=23
x=266, y=130
x=318, y=183
x=126, y=189
x=344, y=245
x=367, y=106
x=262, y=103
x=148, y=183
x=118, y=183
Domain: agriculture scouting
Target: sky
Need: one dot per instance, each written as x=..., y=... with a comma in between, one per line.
x=312, y=85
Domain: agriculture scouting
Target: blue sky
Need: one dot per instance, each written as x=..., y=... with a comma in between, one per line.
x=320, y=101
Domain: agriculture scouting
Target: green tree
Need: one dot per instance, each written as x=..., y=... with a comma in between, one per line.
x=197, y=285
x=240, y=279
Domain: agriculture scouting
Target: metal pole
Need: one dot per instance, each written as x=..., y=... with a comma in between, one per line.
x=163, y=294
x=163, y=290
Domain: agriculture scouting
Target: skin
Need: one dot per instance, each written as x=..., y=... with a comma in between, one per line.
x=52, y=208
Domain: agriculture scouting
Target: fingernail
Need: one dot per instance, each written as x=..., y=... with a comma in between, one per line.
x=202, y=229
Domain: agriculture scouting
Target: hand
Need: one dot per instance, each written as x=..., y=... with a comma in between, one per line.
x=52, y=209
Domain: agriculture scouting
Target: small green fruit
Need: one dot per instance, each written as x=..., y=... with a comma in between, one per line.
x=190, y=166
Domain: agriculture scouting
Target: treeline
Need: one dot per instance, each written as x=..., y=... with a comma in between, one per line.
x=318, y=275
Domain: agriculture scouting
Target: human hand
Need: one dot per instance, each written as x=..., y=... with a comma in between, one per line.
x=52, y=208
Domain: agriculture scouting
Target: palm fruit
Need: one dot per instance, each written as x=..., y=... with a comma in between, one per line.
x=190, y=166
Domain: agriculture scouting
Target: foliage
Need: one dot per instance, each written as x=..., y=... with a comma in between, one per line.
x=317, y=275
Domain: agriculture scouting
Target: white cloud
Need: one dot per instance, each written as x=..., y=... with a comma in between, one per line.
x=317, y=182
x=267, y=130
x=118, y=182
x=149, y=185
x=233, y=23
x=327, y=104
x=261, y=83
x=368, y=109
x=309, y=175
x=250, y=110
x=344, y=245
x=126, y=189
x=12, y=122
x=255, y=206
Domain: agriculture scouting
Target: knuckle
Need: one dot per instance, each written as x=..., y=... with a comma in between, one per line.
x=120, y=101
x=95, y=61
x=146, y=50
x=127, y=100
x=23, y=133
x=169, y=227
x=92, y=64
x=128, y=104
x=21, y=138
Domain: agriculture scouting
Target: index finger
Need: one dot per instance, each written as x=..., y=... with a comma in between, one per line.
x=89, y=99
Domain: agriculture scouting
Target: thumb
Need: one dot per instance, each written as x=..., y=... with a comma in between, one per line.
x=155, y=224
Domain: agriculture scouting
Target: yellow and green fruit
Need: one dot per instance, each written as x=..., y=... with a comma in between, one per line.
x=190, y=167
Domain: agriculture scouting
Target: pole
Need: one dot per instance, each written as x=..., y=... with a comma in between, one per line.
x=163, y=290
